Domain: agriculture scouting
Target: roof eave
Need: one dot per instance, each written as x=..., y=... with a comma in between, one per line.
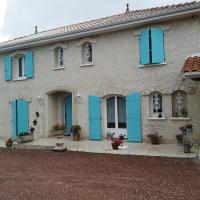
x=104, y=29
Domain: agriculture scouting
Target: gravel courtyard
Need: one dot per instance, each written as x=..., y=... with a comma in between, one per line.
x=71, y=175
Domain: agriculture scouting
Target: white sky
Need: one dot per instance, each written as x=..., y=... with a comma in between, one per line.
x=19, y=17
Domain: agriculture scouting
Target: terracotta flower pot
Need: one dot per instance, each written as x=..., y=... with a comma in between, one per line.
x=115, y=146
x=76, y=137
x=9, y=143
x=155, y=140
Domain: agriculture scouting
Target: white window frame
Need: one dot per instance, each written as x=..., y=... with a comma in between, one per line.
x=117, y=130
x=87, y=53
x=16, y=66
x=179, y=105
x=153, y=114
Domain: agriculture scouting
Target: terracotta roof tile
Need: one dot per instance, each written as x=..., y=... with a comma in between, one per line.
x=107, y=21
x=192, y=64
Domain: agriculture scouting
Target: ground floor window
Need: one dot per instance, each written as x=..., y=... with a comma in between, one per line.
x=179, y=104
x=116, y=112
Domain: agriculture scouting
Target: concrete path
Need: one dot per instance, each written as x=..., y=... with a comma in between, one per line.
x=104, y=146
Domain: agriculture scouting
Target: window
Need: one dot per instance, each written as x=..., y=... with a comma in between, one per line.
x=152, y=46
x=19, y=66
x=156, y=105
x=59, y=57
x=116, y=112
x=87, y=53
x=179, y=104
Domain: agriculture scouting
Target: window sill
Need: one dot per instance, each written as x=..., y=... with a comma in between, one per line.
x=58, y=68
x=19, y=79
x=156, y=119
x=180, y=118
x=152, y=65
x=87, y=65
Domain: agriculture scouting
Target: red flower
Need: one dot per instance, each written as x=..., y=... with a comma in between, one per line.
x=117, y=142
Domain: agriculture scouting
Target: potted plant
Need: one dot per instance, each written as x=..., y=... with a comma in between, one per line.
x=58, y=129
x=25, y=137
x=154, y=137
x=76, y=129
x=187, y=144
x=116, y=143
x=9, y=143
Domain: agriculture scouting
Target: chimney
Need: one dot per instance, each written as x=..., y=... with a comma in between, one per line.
x=127, y=7
x=36, y=31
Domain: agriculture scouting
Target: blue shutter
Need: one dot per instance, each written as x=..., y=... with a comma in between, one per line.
x=133, y=106
x=14, y=120
x=144, y=48
x=94, y=118
x=29, y=64
x=8, y=68
x=23, y=118
x=158, y=55
x=68, y=114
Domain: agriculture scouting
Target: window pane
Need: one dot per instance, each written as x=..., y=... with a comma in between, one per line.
x=157, y=103
x=121, y=105
x=21, y=67
x=88, y=53
x=111, y=112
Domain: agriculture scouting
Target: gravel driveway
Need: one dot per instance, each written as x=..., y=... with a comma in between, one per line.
x=71, y=175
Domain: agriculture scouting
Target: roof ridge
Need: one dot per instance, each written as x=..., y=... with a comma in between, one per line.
x=94, y=22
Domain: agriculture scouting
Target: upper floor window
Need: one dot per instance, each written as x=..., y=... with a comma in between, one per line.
x=59, y=57
x=152, y=46
x=179, y=104
x=87, y=53
x=18, y=66
x=156, y=105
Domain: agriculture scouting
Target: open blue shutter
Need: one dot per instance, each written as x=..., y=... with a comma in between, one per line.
x=8, y=68
x=94, y=117
x=133, y=106
x=144, y=48
x=29, y=64
x=158, y=55
x=14, y=120
x=23, y=118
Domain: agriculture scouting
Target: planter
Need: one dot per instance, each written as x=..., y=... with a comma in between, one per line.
x=155, y=140
x=115, y=146
x=25, y=139
x=9, y=143
x=187, y=148
x=76, y=137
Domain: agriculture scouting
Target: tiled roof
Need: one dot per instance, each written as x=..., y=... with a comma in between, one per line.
x=192, y=64
x=103, y=22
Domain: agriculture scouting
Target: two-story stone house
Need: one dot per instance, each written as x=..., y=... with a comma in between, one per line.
x=120, y=74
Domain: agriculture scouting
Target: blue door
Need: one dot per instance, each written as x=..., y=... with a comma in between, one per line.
x=20, y=117
x=68, y=114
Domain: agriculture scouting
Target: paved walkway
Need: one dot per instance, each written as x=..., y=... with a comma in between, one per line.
x=104, y=146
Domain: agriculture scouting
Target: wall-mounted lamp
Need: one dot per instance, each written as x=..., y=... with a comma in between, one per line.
x=79, y=98
x=40, y=99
